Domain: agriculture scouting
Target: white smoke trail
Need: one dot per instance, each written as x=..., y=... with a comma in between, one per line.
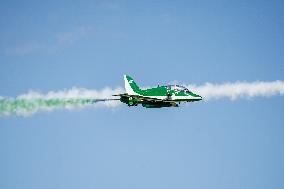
x=237, y=90
x=76, y=98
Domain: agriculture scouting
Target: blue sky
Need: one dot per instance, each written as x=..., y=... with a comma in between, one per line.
x=55, y=45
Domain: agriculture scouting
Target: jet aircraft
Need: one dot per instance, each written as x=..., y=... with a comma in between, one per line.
x=157, y=97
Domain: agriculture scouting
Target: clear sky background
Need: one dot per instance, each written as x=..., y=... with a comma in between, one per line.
x=55, y=45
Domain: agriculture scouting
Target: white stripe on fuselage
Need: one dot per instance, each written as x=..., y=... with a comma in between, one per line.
x=172, y=97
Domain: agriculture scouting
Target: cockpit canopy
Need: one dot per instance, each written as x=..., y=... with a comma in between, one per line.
x=178, y=88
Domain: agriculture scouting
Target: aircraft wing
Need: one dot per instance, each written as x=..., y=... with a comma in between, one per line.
x=144, y=98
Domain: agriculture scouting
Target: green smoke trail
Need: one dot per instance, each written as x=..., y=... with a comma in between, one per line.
x=10, y=106
x=75, y=98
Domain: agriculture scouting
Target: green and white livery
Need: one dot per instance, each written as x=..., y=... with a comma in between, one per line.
x=157, y=97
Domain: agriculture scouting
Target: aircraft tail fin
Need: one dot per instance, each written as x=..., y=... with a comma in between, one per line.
x=130, y=86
